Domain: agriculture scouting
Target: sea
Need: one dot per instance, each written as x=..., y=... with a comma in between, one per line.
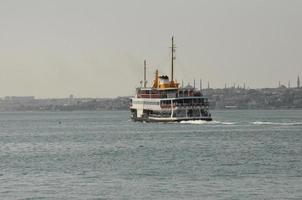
x=241, y=154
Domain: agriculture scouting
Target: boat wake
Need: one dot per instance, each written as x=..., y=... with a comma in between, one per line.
x=277, y=123
x=199, y=122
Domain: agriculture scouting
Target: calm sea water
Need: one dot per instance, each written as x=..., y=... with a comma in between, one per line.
x=103, y=155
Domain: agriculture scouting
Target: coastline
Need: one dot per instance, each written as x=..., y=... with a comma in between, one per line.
x=220, y=99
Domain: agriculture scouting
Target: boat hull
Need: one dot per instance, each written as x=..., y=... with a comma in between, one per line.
x=169, y=119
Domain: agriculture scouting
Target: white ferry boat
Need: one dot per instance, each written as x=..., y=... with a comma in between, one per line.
x=166, y=101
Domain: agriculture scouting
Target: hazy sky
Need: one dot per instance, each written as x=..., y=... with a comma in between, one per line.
x=96, y=48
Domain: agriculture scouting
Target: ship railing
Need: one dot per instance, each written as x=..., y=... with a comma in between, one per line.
x=167, y=106
x=150, y=96
x=188, y=104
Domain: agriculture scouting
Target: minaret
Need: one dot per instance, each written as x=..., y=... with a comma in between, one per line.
x=200, y=84
x=298, y=82
x=288, y=84
x=208, y=84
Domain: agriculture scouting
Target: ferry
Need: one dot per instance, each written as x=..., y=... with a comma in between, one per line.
x=167, y=101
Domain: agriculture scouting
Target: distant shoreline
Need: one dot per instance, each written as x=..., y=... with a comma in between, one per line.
x=220, y=99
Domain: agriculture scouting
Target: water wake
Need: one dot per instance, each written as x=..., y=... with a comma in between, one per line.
x=198, y=122
x=201, y=122
x=224, y=123
x=277, y=123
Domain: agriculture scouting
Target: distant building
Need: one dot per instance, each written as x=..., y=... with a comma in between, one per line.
x=298, y=82
x=19, y=98
x=282, y=86
x=71, y=99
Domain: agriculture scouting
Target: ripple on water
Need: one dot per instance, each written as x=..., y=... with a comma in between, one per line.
x=95, y=155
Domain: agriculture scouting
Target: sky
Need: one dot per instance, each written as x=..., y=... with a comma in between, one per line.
x=96, y=48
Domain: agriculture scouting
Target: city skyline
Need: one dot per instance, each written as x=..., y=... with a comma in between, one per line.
x=97, y=48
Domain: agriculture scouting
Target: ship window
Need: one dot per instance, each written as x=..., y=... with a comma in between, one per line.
x=166, y=113
x=180, y=113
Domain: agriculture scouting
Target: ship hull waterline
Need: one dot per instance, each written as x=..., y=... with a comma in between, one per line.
x=169, y=119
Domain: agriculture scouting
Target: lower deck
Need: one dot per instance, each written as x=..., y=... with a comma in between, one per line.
x=197, y=113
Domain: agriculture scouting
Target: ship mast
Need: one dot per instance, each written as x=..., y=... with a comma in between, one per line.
x=172, y=60
x=145, y=81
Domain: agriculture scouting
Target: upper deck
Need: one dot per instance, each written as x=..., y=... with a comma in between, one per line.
x=155, y=93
